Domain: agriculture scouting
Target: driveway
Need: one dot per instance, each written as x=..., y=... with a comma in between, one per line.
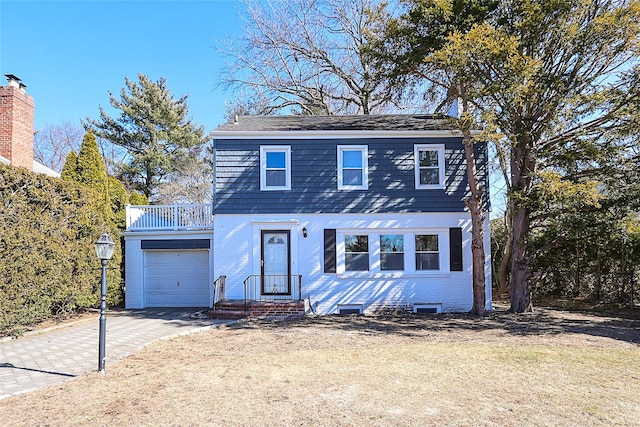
x=44, y=358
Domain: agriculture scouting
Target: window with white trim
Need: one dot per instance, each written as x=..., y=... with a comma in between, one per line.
x=392, y=252
x=352, y=167
x=356, y=252
x=429, y=166
x=275, y=167
x=427, y=254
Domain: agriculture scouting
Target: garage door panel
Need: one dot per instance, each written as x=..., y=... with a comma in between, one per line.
x=177, y=278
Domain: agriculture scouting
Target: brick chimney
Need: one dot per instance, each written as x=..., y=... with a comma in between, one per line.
x=16, y=123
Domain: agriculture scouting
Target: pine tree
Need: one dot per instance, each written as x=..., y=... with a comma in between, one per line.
x=153, y=127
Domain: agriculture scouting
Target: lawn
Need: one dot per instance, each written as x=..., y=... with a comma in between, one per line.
x=551, y=368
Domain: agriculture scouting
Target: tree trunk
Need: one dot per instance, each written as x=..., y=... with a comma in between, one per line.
x=474, y=203
x=578, y=271
x=502, y=278
x=522, y=169
x=503, y=268
x=520, y=264
x=598, y=289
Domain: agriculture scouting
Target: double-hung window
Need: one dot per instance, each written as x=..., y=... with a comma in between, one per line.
x=352, y=167
x=429, y=166
x=356, y=252
x=391, y=252
x=275, y=167
x=427, y=254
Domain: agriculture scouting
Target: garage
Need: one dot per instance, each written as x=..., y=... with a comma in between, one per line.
x=176, y=278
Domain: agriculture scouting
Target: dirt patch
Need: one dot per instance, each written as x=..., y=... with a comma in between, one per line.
x=544, y=326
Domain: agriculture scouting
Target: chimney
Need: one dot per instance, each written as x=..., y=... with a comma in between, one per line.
x=16, y=123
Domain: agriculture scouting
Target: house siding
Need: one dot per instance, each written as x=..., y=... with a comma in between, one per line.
x=314, y=184
x=237, y=249
x=136, y=245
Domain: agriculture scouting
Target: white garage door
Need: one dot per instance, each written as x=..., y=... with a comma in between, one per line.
x=177, y=278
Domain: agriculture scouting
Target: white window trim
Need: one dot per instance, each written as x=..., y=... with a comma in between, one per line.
x=439, y=251
x=369, y=253
x=365, y=167
x=264, y=149
x=375, y=272
x=416, y=165
x=380, y=252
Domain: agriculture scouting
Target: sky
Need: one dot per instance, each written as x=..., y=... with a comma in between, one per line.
x=71, y=54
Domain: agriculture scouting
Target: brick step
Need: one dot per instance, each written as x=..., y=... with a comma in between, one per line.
x=230, y=305
x=230, y=309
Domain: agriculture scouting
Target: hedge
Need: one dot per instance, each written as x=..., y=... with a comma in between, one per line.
x=48, y=264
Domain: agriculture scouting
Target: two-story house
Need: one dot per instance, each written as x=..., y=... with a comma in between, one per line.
x=346, y=213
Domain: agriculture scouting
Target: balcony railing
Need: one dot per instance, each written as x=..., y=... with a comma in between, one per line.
x=169, y=217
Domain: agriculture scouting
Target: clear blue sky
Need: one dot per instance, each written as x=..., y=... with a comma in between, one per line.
x=70, y=54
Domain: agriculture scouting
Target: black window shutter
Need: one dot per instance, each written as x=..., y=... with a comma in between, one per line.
x=455, y=249
x=330, y=251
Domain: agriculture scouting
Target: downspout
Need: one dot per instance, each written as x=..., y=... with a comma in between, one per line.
x=213, y=196
x=213, y=216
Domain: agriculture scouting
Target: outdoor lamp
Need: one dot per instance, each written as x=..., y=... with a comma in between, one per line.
x=104, y=250
x=104, y=247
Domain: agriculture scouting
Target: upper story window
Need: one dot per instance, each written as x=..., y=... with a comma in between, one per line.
x=429, y=165
x=275, y=167
x=352, y=167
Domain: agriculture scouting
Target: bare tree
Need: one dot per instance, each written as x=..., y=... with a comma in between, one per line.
x=306, y=57
x=53, y=143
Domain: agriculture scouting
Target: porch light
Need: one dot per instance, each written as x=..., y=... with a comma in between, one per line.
x=104, y=250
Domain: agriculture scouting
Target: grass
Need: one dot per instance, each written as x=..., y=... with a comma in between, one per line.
x=352, y=372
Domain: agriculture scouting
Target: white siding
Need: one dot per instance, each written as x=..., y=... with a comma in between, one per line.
x=237, y=255
x=135, y=294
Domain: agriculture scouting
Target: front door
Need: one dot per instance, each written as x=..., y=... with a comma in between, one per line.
x=275, y=262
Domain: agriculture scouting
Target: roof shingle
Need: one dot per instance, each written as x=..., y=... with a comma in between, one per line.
x=387, y=122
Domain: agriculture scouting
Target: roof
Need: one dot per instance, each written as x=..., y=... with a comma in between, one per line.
x=387, y=122
x=37, y=167
x=43, y=169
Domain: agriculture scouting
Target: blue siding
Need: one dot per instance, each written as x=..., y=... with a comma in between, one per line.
x=314, y=184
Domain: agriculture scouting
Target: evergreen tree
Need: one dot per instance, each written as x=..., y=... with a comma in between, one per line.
x=153, y=127
x=546, y=79
x=119, y=199
x=90, y=168
x=409, y=43
x=70, y=168
x=138, y=199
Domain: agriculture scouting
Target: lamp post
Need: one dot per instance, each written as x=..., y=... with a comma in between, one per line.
x=104, y=251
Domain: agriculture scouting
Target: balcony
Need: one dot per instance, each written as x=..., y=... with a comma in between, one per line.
x=169, y=217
